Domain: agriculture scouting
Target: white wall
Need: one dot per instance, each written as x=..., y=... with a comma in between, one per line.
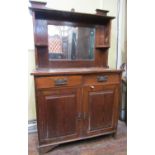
x=111, y=5
x=31, y=93
x=87, y=6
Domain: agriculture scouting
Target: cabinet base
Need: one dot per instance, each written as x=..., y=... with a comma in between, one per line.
x=49, y=147
x=46, y=149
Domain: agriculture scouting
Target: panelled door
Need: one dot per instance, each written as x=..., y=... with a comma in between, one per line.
x=100, y=104
x=58, y=111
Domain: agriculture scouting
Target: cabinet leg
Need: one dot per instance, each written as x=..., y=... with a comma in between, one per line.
x=46, y=149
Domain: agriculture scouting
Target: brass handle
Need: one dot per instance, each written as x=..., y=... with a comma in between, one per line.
x=102, y=78
x=60, y=82
x=92, y=87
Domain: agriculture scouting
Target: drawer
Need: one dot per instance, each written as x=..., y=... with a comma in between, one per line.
x=58, y=81
x=101, y=79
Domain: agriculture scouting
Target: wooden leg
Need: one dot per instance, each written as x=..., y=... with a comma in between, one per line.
x=46, y=149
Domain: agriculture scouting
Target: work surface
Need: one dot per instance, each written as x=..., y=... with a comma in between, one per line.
x=104, y=145
x=89, y=70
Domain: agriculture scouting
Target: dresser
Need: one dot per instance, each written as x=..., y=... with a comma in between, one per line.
x=77, y=94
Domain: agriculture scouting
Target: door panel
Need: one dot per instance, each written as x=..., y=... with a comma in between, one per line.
x=58, y=110
x=100, y=109
x=100, y=103
x=62, y=118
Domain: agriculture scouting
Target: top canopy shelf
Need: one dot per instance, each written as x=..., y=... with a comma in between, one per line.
x=51, y=14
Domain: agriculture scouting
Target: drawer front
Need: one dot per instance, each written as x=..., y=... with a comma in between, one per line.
x=101, y=79
x=58, y=81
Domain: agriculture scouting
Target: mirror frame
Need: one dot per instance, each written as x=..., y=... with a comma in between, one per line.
x=76, y=59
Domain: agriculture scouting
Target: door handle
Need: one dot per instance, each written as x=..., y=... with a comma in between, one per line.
x=92, y=87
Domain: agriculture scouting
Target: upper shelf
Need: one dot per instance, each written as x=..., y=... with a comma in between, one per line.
x=50, y=14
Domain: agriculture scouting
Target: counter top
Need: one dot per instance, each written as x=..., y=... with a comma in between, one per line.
x=73, y=71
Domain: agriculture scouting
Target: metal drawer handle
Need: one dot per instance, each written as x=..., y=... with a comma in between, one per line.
x=102, y=78
x=60, y=82
x=92, y=87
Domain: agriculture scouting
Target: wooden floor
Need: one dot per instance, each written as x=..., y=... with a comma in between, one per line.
x=105, y=145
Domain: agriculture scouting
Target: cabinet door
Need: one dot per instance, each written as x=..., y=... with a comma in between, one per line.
x=100, y=108
x=57, y=113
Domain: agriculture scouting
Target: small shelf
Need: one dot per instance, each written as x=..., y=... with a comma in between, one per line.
x=50, y=14
x=102, y=46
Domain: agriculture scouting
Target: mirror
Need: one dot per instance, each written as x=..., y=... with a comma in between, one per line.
x=70, y=43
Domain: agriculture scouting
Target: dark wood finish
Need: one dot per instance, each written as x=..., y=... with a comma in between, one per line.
x=51, y=14
x=69, y=23
x=74, y=71
x=42, y=56
x=41, y=36
x=103, y=35
x=93, y=79
x=102, y=44
x=44, y=16
x=58, y=116
x=83, y=108
x=101, y=101
x=101, y=12
x=49, y=82
x=38, y=4
x=75, y=100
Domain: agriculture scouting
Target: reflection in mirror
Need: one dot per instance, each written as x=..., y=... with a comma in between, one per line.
x=71, y=43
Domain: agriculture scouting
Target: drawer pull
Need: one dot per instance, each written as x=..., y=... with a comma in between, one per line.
x=92, y=87
x=102, y=78
x=59, y=82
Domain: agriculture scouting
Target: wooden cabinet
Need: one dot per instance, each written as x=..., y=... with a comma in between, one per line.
x=83, y=107
x=77, y=94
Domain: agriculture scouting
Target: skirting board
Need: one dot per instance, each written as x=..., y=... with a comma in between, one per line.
x=32, y=126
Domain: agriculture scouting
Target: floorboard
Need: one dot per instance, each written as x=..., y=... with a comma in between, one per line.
x=105, y=145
